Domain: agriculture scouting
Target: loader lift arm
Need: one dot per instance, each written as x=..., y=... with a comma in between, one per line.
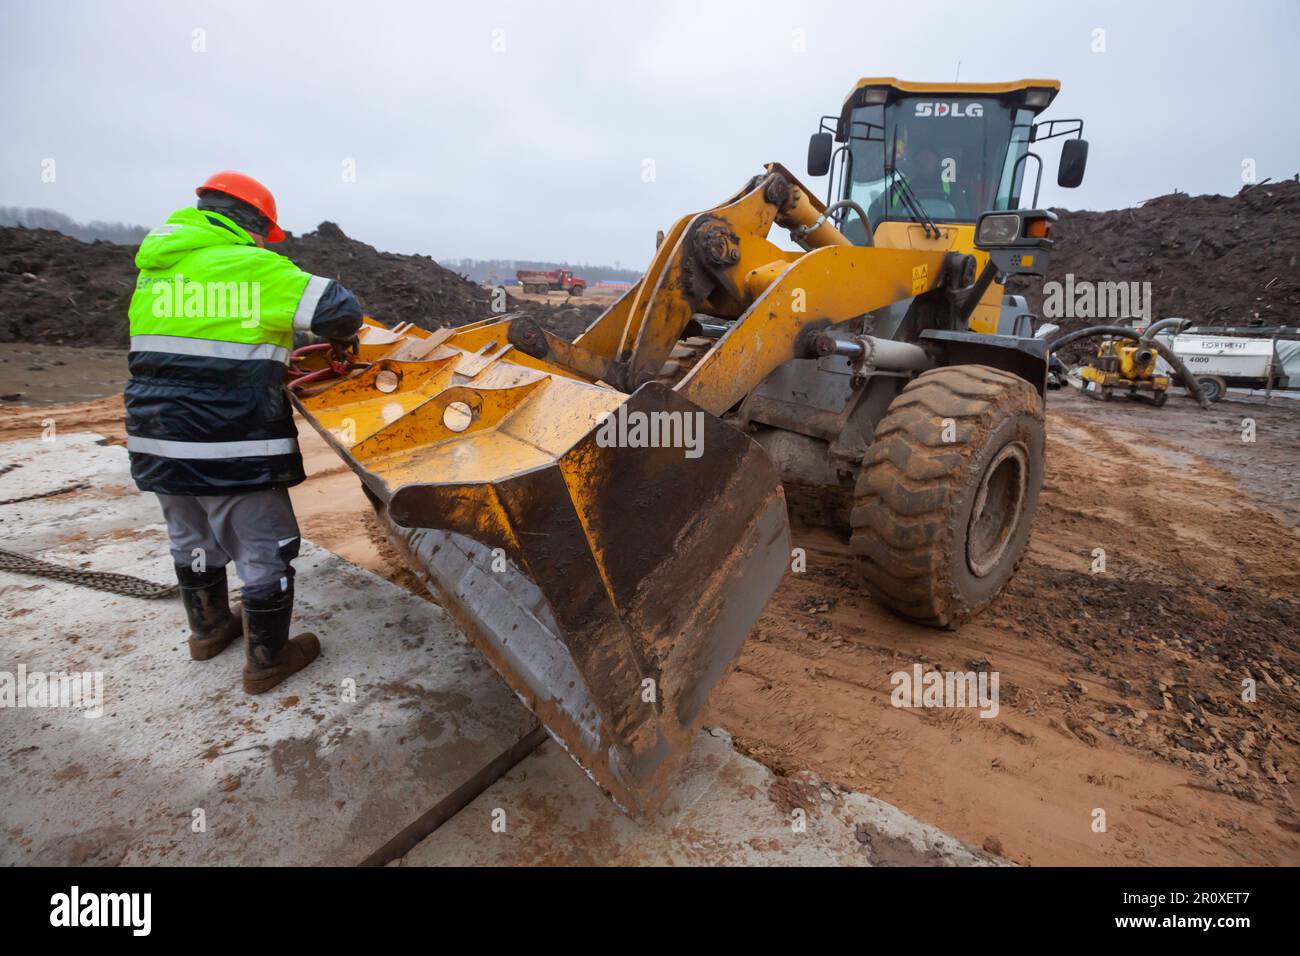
x=720, y=263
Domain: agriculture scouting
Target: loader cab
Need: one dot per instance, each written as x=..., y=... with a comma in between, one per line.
x=911, y=152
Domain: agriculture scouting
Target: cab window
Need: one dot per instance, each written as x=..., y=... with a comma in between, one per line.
x=953, y=157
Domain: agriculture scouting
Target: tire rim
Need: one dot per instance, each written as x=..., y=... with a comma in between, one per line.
x=999, y=504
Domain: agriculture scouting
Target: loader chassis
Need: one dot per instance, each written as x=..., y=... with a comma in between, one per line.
x=612, y=587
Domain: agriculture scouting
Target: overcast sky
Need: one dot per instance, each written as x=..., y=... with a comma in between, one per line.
x=522, y=130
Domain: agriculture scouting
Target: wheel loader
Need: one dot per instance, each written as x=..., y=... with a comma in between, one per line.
x=606, y=517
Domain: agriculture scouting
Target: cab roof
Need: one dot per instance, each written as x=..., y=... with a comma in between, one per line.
x=1045, y=91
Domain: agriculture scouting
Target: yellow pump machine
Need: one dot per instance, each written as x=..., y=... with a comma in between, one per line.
x=606, y=517
x=1125, y=367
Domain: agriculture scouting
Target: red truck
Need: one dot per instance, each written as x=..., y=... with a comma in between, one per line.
x=559, y=280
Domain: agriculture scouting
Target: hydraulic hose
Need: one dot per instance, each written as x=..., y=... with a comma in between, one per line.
x=834, y=207
x=1178, y=324
x=1185, y=376
x=335, y=367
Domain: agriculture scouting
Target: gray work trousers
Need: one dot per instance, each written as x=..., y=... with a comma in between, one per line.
x=256, y=529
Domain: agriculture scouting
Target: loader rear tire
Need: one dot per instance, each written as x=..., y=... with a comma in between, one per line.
x=947, y=492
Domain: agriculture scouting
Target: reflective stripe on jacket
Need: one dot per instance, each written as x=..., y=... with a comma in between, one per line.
x=212, y=323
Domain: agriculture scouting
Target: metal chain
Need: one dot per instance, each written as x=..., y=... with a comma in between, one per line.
x=123, y=584
x=46, y=494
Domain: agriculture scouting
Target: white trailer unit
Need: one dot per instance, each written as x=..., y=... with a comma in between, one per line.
x=1225, y=356
x=1255, y=360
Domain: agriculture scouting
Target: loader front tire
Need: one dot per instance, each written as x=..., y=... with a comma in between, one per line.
x=947, y=492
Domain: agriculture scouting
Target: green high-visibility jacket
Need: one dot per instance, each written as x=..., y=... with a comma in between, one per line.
x=212, y=323
x=189, y=259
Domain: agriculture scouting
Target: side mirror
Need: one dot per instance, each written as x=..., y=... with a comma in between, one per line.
x=1074, y=157
x=820, y=147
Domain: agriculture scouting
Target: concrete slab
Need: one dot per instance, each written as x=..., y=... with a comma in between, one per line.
x=32, y=467
x=398, y=725
x=725, y=809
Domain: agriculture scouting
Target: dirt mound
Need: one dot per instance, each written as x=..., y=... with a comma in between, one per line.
x=57, y=290
x=1212, y=259
x=61, y=291
x=392, y=287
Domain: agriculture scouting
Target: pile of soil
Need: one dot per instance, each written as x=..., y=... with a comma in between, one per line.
x=393, y=288
x=1226, y=260
x=57, y=290
x=60, y=291
x=1212, y=259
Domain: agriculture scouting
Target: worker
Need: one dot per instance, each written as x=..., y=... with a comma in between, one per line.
x=927, y=177
x=209, y=426
x=923, y=173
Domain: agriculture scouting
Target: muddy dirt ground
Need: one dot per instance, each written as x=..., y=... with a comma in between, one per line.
x=32, y=374
x=1121, y=690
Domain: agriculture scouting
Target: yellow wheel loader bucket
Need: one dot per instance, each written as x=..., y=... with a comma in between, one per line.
x=585, y=514
x=607, y=552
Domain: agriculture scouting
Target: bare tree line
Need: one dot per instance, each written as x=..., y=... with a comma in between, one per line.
x=30, y=218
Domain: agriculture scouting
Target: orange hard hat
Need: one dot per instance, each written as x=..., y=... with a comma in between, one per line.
x=245, y=187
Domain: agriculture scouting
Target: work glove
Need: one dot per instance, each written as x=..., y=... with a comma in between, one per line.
x=343, y=349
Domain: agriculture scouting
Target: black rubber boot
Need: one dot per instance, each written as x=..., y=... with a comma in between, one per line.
x=272, y=656
x=207, y=605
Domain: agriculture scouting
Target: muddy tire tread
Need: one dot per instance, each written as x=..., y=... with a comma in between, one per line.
x=909, y=485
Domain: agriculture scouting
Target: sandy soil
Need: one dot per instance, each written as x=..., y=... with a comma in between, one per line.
x=1121, y=691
